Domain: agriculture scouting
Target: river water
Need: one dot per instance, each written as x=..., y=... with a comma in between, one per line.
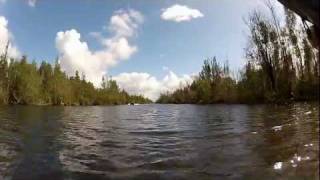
x=160, y=142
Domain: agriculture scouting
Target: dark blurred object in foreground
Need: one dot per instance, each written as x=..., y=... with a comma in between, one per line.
x=308, y=10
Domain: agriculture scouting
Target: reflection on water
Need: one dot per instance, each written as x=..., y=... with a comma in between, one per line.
x=160, y=142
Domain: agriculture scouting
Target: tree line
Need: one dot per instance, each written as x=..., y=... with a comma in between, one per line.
x=282, y=65
x=26, y=83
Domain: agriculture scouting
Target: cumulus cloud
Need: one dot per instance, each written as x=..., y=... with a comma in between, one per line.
x=32, y=3
x=5, y=37
x=75, y=54
x=125, y=23
x=149, y=86
x=179, y=13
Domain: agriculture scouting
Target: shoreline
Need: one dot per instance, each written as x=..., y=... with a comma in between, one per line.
x=262, y=103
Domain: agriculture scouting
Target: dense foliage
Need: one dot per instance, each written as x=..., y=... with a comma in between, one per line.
x=282, y=66
x=25, y=83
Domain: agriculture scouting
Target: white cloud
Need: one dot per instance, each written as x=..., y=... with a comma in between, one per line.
x=75, y=54
x=125, y=23
x=5, y=37
x=32, y=3
x=144, y=84
x=165, y=68
x=179, y=13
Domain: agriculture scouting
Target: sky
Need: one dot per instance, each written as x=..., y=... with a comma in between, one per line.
x=148, y=46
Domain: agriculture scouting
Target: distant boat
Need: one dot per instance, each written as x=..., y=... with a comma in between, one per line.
x=133, y=104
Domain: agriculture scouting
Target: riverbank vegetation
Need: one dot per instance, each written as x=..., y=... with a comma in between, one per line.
x=282, y=65
x=25, y=83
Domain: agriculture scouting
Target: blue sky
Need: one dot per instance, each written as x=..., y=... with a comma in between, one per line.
x=179, y=46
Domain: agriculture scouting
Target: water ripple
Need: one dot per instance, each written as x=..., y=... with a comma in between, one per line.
x=160, y=142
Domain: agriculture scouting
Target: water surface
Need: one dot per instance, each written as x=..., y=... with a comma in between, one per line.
x=160, y=142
